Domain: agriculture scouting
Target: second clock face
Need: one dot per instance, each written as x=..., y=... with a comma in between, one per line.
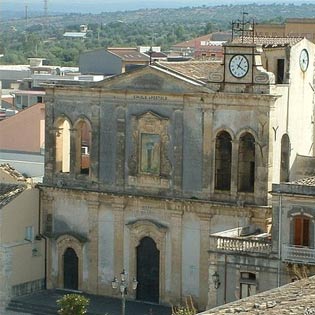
x=239, y=66
x=304, y=60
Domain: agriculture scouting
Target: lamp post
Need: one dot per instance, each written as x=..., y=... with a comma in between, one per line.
x=216, y=280
x=123, y=286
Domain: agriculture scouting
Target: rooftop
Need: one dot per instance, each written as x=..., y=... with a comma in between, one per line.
x=8, y=169
x=269, y=41
x=75, y=34
x=198, y=70
x=128, y=54
x=295, y=298
x=9, y=192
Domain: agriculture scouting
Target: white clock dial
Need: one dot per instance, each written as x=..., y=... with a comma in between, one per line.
x=304, y=60
x=239, y=66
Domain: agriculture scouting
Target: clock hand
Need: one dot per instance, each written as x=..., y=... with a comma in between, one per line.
x=241, y=68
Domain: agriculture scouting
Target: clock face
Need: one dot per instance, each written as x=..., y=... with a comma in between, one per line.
x=304, y=60
x=239, y=66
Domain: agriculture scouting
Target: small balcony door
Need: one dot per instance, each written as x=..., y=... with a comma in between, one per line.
x=301, y=231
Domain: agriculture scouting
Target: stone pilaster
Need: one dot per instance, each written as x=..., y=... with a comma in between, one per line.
x=120, y=152
x=207, y=156
x=178, y=151
x=176, y=252
x=93, y=206
x=234, y=167
x=119, y=239
x=203, y=263
x=212, y=291
x=50, y=143
x=47, y=229
x=75, y=154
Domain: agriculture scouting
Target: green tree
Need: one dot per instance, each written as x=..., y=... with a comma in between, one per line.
x=208, y=28
x=73, y=304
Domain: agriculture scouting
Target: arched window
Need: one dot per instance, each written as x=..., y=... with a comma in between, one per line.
x=246, y=163
x=63, y=146
x=285, y=158
x=223, y=153
x=301, y=230
x=83, y=146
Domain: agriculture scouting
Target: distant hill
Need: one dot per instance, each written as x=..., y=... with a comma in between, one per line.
x=41, y=36
x=98, y=6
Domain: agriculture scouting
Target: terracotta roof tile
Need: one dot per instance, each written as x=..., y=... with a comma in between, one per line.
x=7, y=168
x=269, y=41
x=294, y=298
x=198, y=70
x=129, y=54
x=9, y=192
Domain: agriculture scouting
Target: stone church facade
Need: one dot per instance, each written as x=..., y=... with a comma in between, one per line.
x=141, y=168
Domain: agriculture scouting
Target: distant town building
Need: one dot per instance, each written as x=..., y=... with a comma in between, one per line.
x=22, y=141
x=112, y=61
x=81, y=34
x=207, y=47
x=293, y=27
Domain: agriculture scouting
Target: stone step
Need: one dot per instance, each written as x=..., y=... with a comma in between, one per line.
x=35, y=309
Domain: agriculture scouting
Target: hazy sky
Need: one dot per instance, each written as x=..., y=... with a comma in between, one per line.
x=113, y=5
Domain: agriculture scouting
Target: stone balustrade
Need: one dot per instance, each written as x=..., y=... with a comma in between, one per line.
x=233, y=244
x=298, y=254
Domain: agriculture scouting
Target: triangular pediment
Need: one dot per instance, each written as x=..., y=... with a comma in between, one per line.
x=153, y=79
x=150, y=116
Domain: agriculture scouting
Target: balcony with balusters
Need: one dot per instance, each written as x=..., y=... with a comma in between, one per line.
x=298, y=254
x=231, y=243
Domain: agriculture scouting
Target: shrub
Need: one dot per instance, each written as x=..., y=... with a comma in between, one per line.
x=187, y=309
x=73, y=304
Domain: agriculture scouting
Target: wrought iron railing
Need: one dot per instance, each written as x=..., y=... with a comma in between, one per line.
x=242, y=245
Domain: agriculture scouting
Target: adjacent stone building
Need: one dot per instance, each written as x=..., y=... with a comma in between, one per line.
x=22, y=248
x=141, y=168
x=246, y=259
x=292, y=27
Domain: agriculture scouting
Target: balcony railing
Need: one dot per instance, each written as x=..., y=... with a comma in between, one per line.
x=298, y=254
x=239, y=245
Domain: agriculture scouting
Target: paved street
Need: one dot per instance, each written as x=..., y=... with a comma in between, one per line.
x=99, y=305
x=14, y=313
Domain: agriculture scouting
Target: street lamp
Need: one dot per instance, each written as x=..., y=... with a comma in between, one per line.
x=216, y=280
x=123, y=286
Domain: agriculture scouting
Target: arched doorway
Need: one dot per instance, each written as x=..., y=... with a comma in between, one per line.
x=70, y=269
x=148, y=271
